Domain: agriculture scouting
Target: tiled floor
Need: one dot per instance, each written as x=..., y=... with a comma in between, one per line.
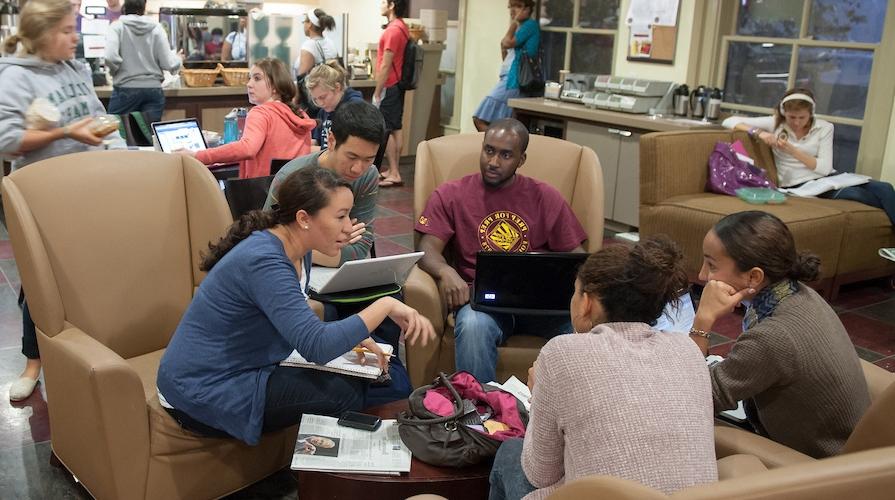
x=867, y=310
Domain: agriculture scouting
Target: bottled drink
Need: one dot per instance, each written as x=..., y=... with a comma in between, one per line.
x=241, y=114
x=231, y=127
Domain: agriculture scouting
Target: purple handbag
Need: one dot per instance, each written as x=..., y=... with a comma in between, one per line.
x=727, y=172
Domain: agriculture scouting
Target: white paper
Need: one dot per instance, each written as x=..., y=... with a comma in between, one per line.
x=824, y=184
x=678, y=319
x=94, y=26
x=661, y=12
x=515, y=387
x=353, y=450
x=94, y=46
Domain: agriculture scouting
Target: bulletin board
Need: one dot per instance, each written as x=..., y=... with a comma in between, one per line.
x=652, y=34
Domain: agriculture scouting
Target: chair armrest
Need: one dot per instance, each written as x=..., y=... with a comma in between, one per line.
x=733, y=441
x=98, y=410
x=421, y=293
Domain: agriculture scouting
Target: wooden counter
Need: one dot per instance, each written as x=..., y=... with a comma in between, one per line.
x=614, y=136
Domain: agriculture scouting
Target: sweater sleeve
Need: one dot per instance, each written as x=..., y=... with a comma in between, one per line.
x=113, y=44
x=825, y=151
x=765, y=123
x=253, y=138
x=14, y=100
x=166, y=58
x=544, y=446
x=364, y=210
x=760, y=358
x=274, y=286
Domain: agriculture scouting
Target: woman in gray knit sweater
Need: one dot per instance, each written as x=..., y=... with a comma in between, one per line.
x=794, y=365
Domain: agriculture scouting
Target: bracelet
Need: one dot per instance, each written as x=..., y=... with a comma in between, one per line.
x=700, y=333
x=65, y=132
x=752, y=132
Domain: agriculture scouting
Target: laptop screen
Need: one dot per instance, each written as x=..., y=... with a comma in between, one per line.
x=525, y=283
x=179, y=134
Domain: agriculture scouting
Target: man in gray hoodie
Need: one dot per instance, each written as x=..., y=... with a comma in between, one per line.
x=137, y=52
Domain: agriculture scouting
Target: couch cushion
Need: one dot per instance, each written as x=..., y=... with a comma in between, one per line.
x=867, y=229
x=688, y=218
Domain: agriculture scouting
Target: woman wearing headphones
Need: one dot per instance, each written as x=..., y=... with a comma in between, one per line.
x=803, y=149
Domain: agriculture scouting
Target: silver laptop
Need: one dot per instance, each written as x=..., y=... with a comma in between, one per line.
x=178, y=134
x=364, y=273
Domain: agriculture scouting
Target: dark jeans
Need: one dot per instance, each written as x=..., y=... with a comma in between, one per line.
x=29, y=331
x=151, y=101
x=507, y=479
x=875, y=193
x=387, y=332
x=292, y=392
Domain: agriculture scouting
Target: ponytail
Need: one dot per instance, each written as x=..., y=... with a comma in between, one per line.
x=11, y=43
x=806, y=267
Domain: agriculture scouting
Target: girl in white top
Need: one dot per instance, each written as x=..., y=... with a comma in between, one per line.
x=803, y=149
x=315, y=49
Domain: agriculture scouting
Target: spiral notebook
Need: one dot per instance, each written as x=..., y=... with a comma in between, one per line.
x=345, y=364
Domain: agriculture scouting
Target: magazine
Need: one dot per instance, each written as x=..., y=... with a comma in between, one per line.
x=824, y=184
x=325, y=446
x=346, y=364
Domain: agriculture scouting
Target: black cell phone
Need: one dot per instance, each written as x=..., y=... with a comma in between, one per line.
x=360, y=421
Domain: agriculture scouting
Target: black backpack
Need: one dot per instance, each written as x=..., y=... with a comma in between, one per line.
x=412, y=67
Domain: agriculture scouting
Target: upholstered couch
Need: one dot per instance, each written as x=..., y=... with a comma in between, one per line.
x=673, y=200
x=572, y=169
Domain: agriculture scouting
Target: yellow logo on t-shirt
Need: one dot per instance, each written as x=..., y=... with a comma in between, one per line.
x=505, y=231
x=424, y=220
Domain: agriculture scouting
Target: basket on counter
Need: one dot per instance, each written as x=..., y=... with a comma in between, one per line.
x=199, y=77
x=234, y=77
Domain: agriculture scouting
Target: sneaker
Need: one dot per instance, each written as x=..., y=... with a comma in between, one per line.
x=887, y=253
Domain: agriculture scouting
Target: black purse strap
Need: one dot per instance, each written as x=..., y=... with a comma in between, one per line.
x=458, y=405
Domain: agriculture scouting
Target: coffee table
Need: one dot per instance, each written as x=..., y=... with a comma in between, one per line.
x=469, y=483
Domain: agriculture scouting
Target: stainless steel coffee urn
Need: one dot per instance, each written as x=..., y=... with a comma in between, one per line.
x=713, y=109
x=681, y=100
x=698, y=99
x=9, y=18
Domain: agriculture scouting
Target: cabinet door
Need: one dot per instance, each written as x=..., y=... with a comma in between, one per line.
x=605, y=142
x=627, y=186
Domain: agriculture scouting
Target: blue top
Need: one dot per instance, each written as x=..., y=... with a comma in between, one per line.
x=247, y=316
x=528, y=39
x=325, y=118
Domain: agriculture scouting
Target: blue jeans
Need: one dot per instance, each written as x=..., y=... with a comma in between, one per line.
x=478, y=334
x=875, y=193
x=150, y=101
x=507, y=479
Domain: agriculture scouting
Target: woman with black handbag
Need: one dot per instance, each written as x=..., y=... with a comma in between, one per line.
x=521, y=42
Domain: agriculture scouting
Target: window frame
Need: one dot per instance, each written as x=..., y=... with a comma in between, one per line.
x=574, y=29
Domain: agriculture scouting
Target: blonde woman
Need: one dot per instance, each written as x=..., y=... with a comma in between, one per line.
x=328, y=88
x=42, y=66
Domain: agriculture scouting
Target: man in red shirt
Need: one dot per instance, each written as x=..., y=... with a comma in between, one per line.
x=387, y=96
x=498, y=211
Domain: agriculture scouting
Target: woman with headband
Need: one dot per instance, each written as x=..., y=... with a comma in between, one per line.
x=803, y=149
x=315, y=49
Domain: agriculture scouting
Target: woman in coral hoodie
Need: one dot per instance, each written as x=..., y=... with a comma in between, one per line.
x=273, y=128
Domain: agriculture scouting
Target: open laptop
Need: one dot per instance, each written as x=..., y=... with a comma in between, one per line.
x=179, y=134
x=525, y=283
x=364, y=273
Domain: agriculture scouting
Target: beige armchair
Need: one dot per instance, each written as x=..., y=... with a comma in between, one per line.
x=572, y=169
x=875, y=429
x=107, y=244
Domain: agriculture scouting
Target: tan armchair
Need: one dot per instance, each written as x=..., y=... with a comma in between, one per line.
x=868, y=475
x=572, y=169
x=107, y=245
x=875, y=429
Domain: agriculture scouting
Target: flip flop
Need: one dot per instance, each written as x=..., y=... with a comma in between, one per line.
x=385, y=183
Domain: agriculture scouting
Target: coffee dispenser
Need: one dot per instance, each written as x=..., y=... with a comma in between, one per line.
x=713, y=109
x=681, y=100
x=9, y=18
x=698, y=100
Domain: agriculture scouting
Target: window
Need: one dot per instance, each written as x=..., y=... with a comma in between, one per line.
x=829, y=46
x=578, y=35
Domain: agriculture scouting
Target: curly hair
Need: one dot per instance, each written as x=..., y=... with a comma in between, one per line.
x=633, y=284
x=307, y=189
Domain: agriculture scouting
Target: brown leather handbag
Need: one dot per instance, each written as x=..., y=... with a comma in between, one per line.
x=446, y=440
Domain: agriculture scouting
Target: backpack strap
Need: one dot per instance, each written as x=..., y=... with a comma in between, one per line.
x=407, y=35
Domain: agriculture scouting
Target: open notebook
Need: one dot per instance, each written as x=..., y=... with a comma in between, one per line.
x=345, y=364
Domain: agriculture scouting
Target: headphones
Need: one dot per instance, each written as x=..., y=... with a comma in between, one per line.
x=797, y=97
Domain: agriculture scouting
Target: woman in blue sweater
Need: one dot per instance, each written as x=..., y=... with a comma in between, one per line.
x=220, y=375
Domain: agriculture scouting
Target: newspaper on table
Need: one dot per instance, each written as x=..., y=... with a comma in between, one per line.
x=515, y=387
x=325, y=446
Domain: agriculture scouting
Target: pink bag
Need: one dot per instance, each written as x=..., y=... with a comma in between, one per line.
x=727, y=172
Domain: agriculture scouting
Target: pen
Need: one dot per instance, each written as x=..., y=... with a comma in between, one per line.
x=365, y=350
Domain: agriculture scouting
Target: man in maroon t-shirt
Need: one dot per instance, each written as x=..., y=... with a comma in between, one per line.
x=499, y=211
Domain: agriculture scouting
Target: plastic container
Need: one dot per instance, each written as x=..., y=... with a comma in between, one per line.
x=231, y=128
x=241, y=114
x=760, y=196
x=104, y=125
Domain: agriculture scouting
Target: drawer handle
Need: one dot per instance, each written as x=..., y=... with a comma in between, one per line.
x=624, y=133
x=613, y=131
